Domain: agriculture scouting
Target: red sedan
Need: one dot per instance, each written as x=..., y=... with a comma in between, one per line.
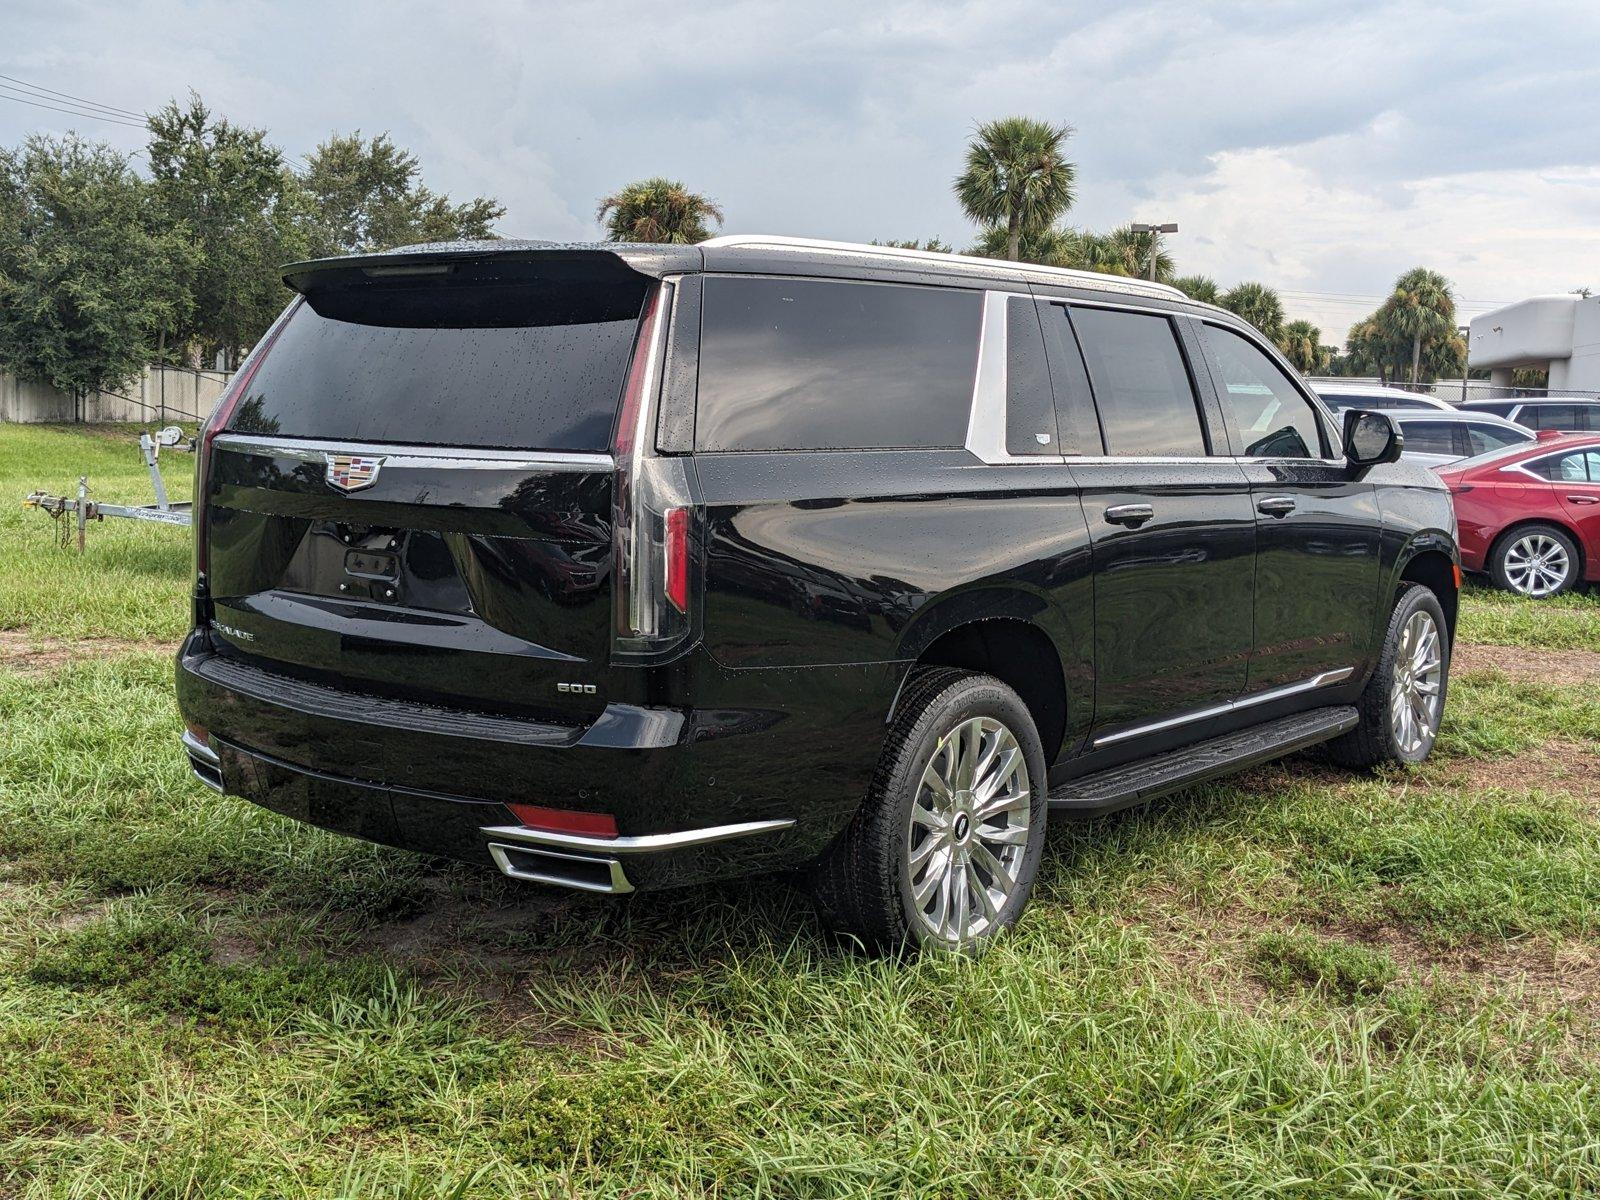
x=1529, y=514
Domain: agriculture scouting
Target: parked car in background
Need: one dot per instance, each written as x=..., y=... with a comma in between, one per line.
x=1436, y=438
x=630, y=566
x=1529, y=515
x=1366, y=395
x=1564, y=414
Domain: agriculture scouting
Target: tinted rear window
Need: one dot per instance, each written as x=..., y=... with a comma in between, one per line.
x=1141, y=385
x=798, y=364
x=515, y=367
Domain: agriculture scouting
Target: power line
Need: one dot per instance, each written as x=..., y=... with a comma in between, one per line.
x=73, y=112
x=110, y=108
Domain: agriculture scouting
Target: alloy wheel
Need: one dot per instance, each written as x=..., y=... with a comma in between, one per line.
x=1417, y=697
x=1536, y=564
x=968, y=830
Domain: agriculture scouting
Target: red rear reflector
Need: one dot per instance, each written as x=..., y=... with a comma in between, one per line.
x=561, y=820
x=678, y=558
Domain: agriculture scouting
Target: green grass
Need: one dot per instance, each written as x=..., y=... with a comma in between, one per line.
x=1569, y=622
x=1254, y=988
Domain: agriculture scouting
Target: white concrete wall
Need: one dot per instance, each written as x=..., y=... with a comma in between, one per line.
x=159, y=395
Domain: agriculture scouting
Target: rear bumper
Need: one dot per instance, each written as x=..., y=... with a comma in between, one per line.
x=484, y=831
x=697, y=794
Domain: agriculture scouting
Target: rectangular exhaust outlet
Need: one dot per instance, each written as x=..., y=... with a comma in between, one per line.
x=584, y=872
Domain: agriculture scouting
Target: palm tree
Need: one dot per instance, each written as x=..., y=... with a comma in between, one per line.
x=1198, y=287
x=1301, y=343
x=657, y=210
x=1258, y=304
x=1017, y=177
x=1134, y=251
x=1421, y=308
x=937, y=245
x=1051, y=246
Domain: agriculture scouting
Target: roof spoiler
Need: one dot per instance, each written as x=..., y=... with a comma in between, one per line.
x=505, y=259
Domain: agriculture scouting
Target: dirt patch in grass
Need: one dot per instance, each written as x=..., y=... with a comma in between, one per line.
x=28, y=654
x=1554, y=668
x=1558, y=766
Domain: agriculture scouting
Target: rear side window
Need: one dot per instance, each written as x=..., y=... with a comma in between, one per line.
x=1551, y=416
x=801, y=364
x=1581, y=466
x=1030, y=407
x=1430, y=437
x=1482, y=438
x=1141, y=386
x=501, y=367
x=1269, y=417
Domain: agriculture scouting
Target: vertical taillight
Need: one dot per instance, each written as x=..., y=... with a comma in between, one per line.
x=652, y=509
x=215, y=424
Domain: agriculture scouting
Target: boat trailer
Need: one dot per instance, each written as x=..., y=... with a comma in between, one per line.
x=84, y=510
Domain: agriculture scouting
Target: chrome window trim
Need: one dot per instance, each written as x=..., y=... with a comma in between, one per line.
x=1325, y=679
x=314, y=449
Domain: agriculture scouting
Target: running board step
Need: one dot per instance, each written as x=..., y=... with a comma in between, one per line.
x=1119, y=787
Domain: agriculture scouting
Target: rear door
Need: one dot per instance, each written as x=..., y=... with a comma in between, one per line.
x=413, y=495
x=1579, y=489
x=1317, y=527
x=1169, y=516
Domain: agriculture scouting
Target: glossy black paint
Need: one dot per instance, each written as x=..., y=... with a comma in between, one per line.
x=823, y=579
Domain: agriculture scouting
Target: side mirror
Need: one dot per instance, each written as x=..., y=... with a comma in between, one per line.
x=1370, y=438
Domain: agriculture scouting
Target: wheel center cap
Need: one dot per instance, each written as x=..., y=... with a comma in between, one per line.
x=962, y=827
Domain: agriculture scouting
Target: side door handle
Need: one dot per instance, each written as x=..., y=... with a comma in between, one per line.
x=1131, y=515
x=1275, y=506
x=1583, y=499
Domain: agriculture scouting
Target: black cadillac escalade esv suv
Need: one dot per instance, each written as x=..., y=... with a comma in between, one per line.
x=625, y=566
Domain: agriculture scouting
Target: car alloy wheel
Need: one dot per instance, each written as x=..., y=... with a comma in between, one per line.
x=1536, y=564
x=1416, y=700
x=968, y=830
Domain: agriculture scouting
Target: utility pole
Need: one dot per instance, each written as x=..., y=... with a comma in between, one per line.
x=1155, y=232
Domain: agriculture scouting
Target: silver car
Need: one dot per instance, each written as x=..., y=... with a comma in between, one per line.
x=1434, y=438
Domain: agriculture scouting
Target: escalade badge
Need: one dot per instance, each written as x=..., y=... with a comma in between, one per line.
x=351, y=472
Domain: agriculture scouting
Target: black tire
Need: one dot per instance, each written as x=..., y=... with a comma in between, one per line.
x=1510, y=554
x=865, y=882
x=1376, y=738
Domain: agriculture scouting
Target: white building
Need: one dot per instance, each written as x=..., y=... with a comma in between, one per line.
x=1561, y=333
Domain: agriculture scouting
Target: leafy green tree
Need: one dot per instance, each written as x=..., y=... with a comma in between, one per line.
x=1051, y=246
x=1301, y=343
x=85, y=270
x=1421, y=309
x=1133, y=252
x=1198, y=287
x=366, y=194
x=936, y=245
x=657, y=210
x=225, y=190
x=1017, y=178
x=1258, y=304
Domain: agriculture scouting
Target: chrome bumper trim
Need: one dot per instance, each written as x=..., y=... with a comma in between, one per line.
x=204, y=762
x=617, y=886
x=650, y=843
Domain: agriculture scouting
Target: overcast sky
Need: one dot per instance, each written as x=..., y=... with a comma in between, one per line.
x=1320, y=147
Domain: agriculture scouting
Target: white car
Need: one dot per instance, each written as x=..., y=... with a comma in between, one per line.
x=1339, y=397
x=1436, y=438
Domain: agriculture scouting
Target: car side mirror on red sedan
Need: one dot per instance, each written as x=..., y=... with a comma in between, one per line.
x=1370, y=438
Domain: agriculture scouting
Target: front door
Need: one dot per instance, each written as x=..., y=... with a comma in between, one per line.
x=1171, y=524
x=1316, y=582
